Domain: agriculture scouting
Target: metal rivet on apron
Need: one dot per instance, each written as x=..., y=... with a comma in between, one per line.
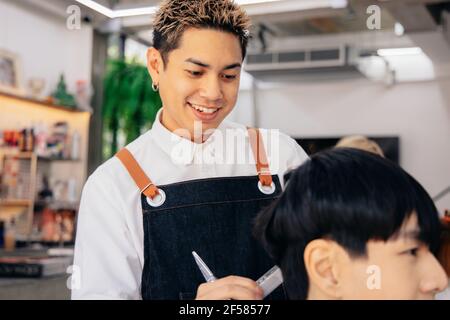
x=266, y=189
x=158, y=200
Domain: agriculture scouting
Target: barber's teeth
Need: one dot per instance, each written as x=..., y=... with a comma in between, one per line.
x=202, y=109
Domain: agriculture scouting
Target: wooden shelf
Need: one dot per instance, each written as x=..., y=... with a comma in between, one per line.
x=41, y=103
x=12, y=212
x=29, y=155
x=16, y=154
x=58, y=205
x=58, y=159
x=15, y=202
x=16, y=109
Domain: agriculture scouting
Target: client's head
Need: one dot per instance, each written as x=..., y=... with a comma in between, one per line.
x=353, y=225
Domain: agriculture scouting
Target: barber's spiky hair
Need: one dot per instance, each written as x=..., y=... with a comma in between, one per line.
x=175, y=16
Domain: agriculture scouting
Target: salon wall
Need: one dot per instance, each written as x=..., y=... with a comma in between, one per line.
x=45, y=45
x=417, y=112
x=416, y=108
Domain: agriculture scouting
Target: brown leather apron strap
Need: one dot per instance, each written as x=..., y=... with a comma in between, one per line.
x=140, y=178
x=259, y=152
x=147, y=187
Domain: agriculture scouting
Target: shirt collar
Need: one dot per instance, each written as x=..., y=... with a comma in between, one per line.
x=179, y=149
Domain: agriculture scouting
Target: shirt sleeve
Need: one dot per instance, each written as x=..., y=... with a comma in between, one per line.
x=293, y=156
x=297, y=154
x=106, y=262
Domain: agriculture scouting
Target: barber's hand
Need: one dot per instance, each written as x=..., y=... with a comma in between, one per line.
x=231, y=287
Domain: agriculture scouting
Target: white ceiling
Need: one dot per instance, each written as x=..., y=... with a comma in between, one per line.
x=415, y=15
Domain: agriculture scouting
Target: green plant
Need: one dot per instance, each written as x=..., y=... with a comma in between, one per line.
x=61, y=95
x=129, y=104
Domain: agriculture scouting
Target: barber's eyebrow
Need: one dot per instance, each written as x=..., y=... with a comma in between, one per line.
x=205, y=65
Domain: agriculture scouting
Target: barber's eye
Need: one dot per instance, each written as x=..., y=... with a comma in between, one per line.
x=413, y=252
x=194, y=73
x=229, y=77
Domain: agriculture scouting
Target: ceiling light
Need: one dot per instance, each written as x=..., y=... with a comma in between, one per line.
x=135, y=12
x=305, y=5
x=97, y=7
x=399, y=51
x=246, y=2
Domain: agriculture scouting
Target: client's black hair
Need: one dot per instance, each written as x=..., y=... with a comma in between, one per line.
x=347, y=195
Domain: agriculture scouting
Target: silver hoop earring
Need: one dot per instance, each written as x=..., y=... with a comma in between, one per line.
x=155, y=87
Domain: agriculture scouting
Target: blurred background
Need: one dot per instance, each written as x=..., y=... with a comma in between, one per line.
x=74, y=89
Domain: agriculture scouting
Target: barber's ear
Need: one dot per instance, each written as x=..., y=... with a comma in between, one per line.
x=155, y=64
x=321, y=266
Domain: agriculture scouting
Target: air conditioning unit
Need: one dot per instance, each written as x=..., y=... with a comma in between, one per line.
x=304, y=64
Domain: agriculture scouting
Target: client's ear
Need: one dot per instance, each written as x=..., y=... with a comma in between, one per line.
x=323, y=272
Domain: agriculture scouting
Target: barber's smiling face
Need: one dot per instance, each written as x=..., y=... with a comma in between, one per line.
x=200, y=81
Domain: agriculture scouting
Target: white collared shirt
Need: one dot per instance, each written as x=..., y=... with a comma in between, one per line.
x=109, y=248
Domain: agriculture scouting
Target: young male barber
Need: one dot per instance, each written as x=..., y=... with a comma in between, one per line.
x=182, y=186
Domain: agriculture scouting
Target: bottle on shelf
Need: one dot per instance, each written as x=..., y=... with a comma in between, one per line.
x=41, y=134
x=29, y=140
x=10, y=236
x=2, y=141
x=22, y=137
x=2, y=233
x=75, y=147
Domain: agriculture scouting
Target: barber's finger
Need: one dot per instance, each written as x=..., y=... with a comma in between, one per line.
x=229, y=291
x=232, y=285
x=237, y=280
x=242, y=281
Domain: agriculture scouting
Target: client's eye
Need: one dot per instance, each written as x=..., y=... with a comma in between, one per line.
x=412, y=252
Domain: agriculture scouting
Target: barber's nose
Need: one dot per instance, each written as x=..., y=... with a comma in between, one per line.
x=211, y=89
x=435, y=279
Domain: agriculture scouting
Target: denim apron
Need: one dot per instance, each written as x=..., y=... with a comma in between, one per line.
x=213, y=217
